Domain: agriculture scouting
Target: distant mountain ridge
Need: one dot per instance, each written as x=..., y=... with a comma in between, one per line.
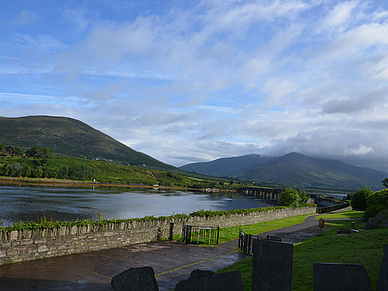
x=292, y=169
x=70, y=137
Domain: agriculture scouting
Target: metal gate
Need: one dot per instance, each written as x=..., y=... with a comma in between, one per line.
x=245, y=241
x=200, y=234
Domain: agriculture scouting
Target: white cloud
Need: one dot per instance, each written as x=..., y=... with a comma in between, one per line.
x=45, y=43
x=213, y=78
x=25, y=17
x=359, y=150
x=76, y=16
x=339, y=17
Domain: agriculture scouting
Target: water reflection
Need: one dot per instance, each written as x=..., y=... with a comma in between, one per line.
x=23, y=203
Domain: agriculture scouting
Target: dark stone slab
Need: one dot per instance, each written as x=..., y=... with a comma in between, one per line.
x=135, y=279
x=209, y=281
x=340, y=277
x=382, y=282
x=272, y=266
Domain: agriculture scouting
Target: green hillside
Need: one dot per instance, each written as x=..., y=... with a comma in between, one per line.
x=79, y=169
x=293, y=170
x=70, y=137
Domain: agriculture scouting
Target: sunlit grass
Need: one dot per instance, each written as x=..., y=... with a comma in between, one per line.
x=230, y=233
x=345, y=214
x=365, y=247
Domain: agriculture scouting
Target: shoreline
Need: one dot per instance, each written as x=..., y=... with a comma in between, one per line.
x=64, y=183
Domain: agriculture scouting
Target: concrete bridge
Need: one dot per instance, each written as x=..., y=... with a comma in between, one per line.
x=263, y=193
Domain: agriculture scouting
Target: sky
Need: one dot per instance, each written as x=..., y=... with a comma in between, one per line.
x=193, y=81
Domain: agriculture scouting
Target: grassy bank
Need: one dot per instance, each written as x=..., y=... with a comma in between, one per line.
x=77, y=169
x=227, y=234
x=364, y=248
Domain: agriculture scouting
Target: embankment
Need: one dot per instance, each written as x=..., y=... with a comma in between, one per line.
x=25, y=245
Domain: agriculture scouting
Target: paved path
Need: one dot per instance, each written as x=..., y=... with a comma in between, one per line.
x=171, y=261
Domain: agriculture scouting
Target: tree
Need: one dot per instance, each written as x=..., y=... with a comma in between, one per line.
x=303, y=197
x=385, y=182
x=290, y=197
x=38, y=152
x=376, y=202
x=359, y=198
x=14, y=151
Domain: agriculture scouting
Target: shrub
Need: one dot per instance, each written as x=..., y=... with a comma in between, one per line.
x=289, y=197
x=376, y=202
x=359, y=198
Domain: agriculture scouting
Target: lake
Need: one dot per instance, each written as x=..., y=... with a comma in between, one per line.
x=23, y=203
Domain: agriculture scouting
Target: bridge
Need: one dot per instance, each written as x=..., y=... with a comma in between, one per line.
x=263, y=193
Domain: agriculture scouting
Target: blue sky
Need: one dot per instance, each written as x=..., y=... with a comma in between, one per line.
x=187, y=82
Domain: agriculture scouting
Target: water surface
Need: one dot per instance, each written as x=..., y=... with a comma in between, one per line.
x=26, y=203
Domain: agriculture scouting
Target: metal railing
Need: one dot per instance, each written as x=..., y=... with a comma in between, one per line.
x=200, y=234
x=245, y=241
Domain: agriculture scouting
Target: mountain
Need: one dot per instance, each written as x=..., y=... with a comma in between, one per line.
x=295, y=170
x=70, y=137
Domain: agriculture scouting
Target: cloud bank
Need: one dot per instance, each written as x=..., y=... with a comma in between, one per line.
x=208, y=79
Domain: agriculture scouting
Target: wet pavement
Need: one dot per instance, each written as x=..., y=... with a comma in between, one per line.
x=171, y=261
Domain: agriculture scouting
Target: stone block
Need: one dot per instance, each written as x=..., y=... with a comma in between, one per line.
x=13, y=235
x=209, y=281
x=272, y=265
x=340, y=277
x=62, y=231
x=27, y=234
x=6, y=245
x=42, y=248
x=73, y=230
x=382, y=282
x=135, y=279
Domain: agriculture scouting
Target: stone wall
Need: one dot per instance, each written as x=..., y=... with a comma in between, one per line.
x=25, y=245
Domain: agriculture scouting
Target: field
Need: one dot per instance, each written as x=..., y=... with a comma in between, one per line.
x=365, y=247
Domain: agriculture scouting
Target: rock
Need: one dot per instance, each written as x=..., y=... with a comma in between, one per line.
x=382, y=282
x=272, y=265
x=344, y=231
x=381, y=219
x=340, y=277
x=209, y=281
x=135, y=279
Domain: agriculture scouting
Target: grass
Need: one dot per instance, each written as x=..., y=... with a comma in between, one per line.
x=345, y=214
x=227, y=234
x=365, y=247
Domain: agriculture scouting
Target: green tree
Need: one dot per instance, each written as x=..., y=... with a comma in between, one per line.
x=359, y=198
x=38, y=152
x=303, y=197
x=376, y=202
x=14, y=151
x=81, y=173
x=385, y=182
x=17, y=169
x=290, y=197
x=2, y=148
